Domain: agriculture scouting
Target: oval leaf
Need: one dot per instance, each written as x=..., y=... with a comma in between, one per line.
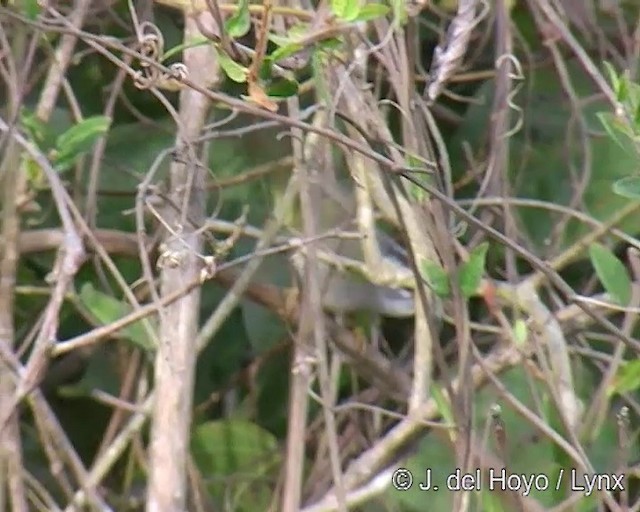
x=345, y=9
x=617, y=129
x=627, y=378
x=106, y=310
x=286, y=51
x=36, y=129
x=78, y=139
x=628, y=187
x=31, y=9
x=232, y=69
x=520, y=332
x=240, y=23
x=472, y=271
x=436, y=277
x=224, y=448
x=282, y=88
x=372, y=12
x=240, y=460
x=612, y=273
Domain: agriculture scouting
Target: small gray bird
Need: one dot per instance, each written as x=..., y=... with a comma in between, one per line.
x=344, y=290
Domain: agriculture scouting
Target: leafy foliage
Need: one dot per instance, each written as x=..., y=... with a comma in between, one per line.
x=472, y=270
x=612, y=273
x=78, y=139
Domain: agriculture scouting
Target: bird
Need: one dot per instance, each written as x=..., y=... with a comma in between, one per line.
x=343, y=289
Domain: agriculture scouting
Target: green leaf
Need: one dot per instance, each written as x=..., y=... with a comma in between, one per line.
x=436, y=277
x=79, y=139
x=226, y=447
x=33, y=172
x=618, y=130
x=345, y=9
x=370, y=12
x=239, y=24
x=628, y=187
x=615, y=80
x=240, y=460
x=106, y=310
x=265, y=68
x=282, y=88
x=298, y=31
x=232, y=69
x=286, y=51
x=417, y=192
x=416, y=188
x=280, y=40
x=520, y=332
x=329, y=45
x=31, y=9
x=471, y=271
x=442, y=404
x=36, y=129
x=612, y=273
x=627, y=379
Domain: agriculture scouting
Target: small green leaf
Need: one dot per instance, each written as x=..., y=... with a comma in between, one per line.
x=627, y=379
x=612, y=273
x=286, y=51
x=628, y=187
x=520, y=332
x=265, y=68
x=240, y=460
x=224, y=448
x=298, y=31
x=443, y=404
x=345, y=9
x=232, y=69
x=338, y=7
x=35, y=176
x=617, y=129
x=370, y=12
x=79, y=139
x=280, y=40
x=614, y=79
x=414, y=161
x=282, y=88
x=106, y=310
x=436, y=277
x=471, y=272
x=31, y=9
x=329, y=45
x=417, y=192
x=36, y=129
x=239, y=24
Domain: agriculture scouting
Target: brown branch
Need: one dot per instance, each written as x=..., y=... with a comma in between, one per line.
x=177, y=353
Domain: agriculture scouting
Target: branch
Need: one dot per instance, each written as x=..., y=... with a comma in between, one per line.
x=177, y=354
